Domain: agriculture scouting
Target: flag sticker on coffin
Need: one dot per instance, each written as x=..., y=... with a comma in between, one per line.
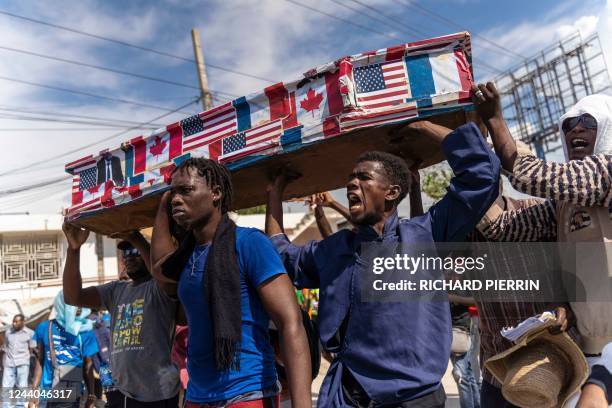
x=205, y=128
x=259, y=109
x=361, y=119
x=314, y=105
x=158, y=150
x=86, y=192
x=251, y=141
x=441, y=75
x=381, y=85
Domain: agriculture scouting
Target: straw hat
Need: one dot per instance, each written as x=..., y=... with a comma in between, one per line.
x=541, y=370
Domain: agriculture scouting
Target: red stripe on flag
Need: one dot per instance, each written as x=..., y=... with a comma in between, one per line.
x=207, y=141
x=140, y=155
x=214, y=150
x=176, y=141
x=331, y=127
x=215, y=111
x=395, y=53
x=291, y=120
x=334, y=97
x=465, y=75
x=74, y=163
x=278, y=98
x=134, y=191
x=380, y=96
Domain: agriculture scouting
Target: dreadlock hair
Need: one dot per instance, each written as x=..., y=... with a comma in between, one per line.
x=215, y=174
x=395, y=168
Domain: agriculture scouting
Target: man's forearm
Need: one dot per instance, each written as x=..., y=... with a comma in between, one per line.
x=322, y=222
x=274, y=214
x=71, y=279
x=294, y=349
x=504, y=144
x=161, y=239
x=340, y=209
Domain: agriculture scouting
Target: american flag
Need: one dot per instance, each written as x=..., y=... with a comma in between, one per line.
x=88, y=178
x=207, y=127
x=381, y=85
x=251, y=141
x=357, y=119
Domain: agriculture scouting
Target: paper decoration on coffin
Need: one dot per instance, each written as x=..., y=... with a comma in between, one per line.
x=374, y=88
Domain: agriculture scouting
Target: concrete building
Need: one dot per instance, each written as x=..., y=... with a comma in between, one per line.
x=32, y=253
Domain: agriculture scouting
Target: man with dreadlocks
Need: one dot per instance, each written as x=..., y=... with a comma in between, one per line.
x=388, y=354
x=230, y=279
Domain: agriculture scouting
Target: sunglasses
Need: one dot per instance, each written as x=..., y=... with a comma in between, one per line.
x=587, y=121
x=130, y=252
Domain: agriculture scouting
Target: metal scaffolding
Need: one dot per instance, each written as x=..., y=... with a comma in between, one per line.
x=538, y=91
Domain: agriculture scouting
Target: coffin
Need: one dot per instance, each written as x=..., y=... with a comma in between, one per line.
x=319, y=123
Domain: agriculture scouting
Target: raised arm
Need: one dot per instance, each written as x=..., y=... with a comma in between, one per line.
x=416, y=200
x=322, y=200
x=74, y=294
x=534, y=223
x=488, y=105
x=278, y=298
x=162, y=246
x=585, y=182
x=474, y=186
x=299, y=261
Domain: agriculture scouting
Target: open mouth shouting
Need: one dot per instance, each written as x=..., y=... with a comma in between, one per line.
x=354, y=201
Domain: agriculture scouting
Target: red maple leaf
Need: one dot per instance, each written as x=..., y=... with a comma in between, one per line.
x=158, y=147
x=93, y=190
x=312, y=101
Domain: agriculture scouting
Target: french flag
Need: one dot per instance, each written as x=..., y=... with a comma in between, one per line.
x=439, y=77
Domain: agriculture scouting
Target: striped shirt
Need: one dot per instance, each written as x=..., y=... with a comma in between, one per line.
x=584, y=183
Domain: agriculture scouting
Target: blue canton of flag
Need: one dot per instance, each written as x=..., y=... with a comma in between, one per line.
x=192, y=125
x=234, y=143
x=369, y=78
x=89, y=178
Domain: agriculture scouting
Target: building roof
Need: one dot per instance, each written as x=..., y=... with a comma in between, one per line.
x=32, y=222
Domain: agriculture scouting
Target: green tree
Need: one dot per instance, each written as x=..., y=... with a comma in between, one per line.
x=435, y=183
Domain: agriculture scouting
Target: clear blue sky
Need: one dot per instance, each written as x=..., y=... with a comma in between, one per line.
x=272, y=39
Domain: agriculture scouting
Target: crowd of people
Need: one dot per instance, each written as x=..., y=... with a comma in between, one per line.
x=193, y=317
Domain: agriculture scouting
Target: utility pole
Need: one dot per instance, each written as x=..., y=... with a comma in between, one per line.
x=205, y=95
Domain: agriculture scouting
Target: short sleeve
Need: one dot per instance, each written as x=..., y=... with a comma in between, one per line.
x=40, y=334
x=32, y=339
x=107, y=294
x=259, y=257
x=89, y=345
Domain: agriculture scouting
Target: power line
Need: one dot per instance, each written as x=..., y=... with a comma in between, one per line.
x=101, y=68
x=98, y=67
x=343, y=20
x=53, y=120
x=72, y=115
x=481, y=63
x=395, y=20
x=65, y=129
x=59, y=156
x=77, y=92
x=440, y=17
x=46, y=183
x=126, y=44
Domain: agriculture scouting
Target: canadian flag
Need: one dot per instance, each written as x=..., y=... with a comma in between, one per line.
x=158, y=150
x=316, y=102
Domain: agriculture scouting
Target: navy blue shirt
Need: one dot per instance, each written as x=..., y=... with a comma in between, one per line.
x=258, y=262
x=397, y=351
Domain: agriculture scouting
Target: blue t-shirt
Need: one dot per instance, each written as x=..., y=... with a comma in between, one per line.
x=69, y=349
x=258, y=261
